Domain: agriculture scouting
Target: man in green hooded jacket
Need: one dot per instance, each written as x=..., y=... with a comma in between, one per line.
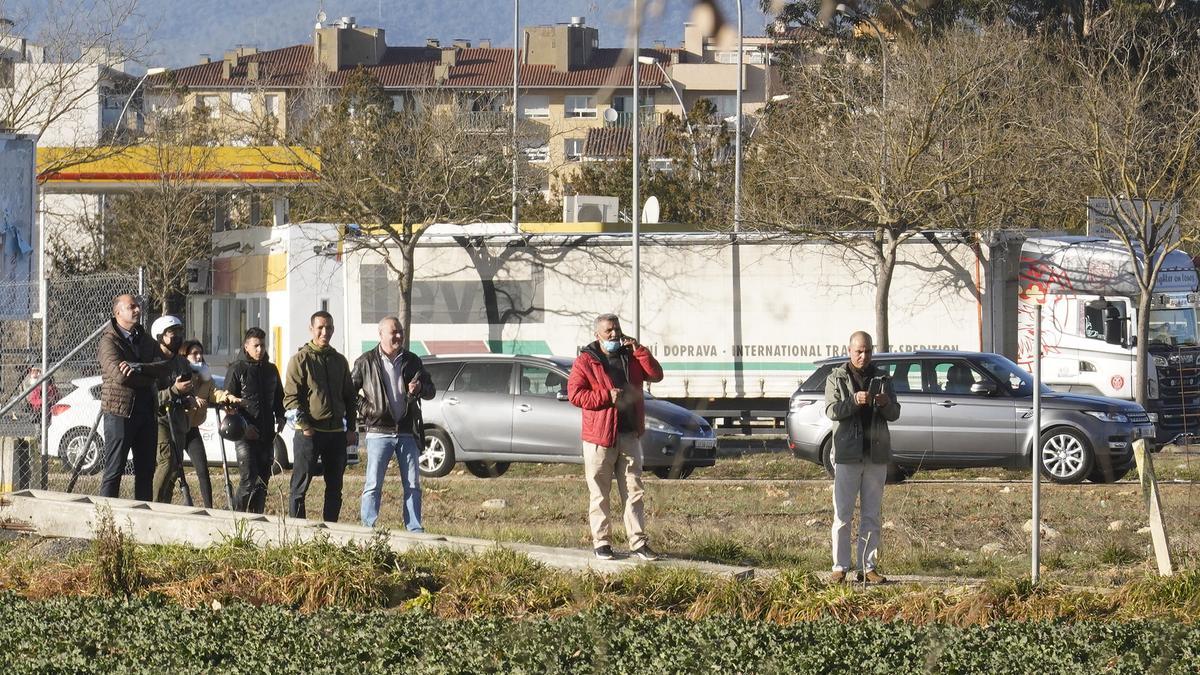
x=318, y=388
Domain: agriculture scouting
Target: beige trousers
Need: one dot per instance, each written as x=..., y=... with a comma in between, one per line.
x=600, y=466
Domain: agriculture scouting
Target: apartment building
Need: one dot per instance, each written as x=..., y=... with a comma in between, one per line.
x=568, y=84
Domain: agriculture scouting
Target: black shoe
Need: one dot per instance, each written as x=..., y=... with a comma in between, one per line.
x=605, y=553
x=646, y=553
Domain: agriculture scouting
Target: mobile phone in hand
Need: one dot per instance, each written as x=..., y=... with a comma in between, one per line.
x=876, y=387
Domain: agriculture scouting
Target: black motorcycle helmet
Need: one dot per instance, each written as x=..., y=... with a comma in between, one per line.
x=233, y=428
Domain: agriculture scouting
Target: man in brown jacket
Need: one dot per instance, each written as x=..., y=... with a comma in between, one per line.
x=130, y=367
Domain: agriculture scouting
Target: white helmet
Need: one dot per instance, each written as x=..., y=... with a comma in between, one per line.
x=162, y=324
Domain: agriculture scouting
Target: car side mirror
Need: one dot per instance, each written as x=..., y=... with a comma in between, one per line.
x=985, y=388
x=561, y=395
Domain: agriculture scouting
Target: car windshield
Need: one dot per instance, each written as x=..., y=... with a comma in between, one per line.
x=1173, y=327
x=1019, y=380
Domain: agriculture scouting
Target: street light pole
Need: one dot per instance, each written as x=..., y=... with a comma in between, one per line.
x=516, y=79
x=651, y=61
x=125, y=108
x=737, y=141
x=636, y=208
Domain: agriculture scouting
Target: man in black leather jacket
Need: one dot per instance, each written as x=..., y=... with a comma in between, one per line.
x=255, y=380
x=392, y=381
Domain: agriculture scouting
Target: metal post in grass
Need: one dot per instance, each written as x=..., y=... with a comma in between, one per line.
x=1039, y=297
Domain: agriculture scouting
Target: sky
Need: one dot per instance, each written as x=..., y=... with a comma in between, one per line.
x=184, y=29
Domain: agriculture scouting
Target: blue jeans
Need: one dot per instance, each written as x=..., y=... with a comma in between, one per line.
x=379, y=455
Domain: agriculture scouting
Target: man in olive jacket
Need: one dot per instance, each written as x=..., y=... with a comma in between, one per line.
x=862, y=449
x=319, y=389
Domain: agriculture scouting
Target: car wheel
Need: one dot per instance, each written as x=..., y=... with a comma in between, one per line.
x=897, y=474
x=669, y=472
x=1066, y=455
x=281, y=462
x=827, y=455
x=438, y=457
x=486, y=469
x=76, y=450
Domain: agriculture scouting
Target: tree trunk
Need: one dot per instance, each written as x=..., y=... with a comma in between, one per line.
x=885, y=260
x=1141, y=392
x=404, y=311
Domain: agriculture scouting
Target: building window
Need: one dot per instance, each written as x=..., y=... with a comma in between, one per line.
x=726, y=105
x=537, y=154
x=581, y=106
x=239, y=102
x=573, y=149
x=271, y=104
x=379, y=295
x=535, y=107
x=212, y=104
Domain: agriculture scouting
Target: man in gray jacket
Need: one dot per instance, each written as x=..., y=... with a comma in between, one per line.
x=860, y=400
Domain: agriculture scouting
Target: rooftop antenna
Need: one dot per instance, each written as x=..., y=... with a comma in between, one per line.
x=321, y=16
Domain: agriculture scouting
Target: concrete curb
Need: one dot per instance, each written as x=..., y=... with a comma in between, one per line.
x=57, y=514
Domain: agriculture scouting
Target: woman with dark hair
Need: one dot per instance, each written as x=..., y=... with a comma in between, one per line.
x=206, y=393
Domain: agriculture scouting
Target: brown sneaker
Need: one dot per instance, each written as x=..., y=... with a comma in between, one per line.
x=872, y=577
x=837, y=577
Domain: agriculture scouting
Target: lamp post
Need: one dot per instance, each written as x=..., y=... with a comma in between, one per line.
x=651, y=61
x=125, y=108
x=856, y=15
x=737, y=141
x=636, y=209
x=516, y=79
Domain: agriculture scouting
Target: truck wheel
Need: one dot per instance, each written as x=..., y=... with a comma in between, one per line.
x=486, y=469
x=669, y=472
x=897, y=474
x=1066, y=456
x=437, y=459
x=827, y=455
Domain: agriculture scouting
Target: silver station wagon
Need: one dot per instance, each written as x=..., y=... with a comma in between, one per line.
x=972, y=409
x=494, y=409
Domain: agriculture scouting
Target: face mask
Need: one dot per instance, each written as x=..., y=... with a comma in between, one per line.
x=200, y=369
x=610, y=346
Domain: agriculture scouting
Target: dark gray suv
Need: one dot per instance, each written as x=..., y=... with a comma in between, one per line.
x=493, y=409
x=972, y=409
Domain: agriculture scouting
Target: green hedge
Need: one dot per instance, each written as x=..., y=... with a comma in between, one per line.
x=79, y=635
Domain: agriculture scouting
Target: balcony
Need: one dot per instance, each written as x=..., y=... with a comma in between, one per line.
x=486, y=120
x=625, y=120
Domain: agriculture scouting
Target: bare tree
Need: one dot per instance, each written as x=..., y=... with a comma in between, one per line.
x=56, y=77
x=389, y=174
x=950, y=146
x=1128, y=129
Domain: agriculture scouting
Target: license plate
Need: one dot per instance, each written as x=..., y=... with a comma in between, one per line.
x=703, y=443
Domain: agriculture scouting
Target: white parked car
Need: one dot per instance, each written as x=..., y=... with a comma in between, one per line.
x=73, y=416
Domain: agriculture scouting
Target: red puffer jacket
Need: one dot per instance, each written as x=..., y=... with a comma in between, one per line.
x=589, y=385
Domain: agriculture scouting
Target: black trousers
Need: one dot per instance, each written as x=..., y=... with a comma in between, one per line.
x=195, y=451
x=137, y=433
x=330, y=448
x=254, y=469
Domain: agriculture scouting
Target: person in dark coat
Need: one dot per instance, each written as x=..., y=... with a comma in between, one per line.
x=255, y=381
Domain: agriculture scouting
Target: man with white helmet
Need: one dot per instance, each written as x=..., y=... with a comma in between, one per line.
x=174, y=400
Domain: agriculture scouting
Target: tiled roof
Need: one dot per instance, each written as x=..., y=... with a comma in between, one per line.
x=616, y=142
x=412, y=67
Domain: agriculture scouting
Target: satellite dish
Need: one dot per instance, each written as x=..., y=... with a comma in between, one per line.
x=321, y=16
x=650, y=210
x=610, y=115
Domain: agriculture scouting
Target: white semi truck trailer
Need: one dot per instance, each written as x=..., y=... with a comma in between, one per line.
x=738, y=327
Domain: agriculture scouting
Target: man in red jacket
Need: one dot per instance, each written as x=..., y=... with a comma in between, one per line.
x=606, y=382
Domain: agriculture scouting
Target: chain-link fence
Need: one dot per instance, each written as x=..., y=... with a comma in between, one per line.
x=50, y=430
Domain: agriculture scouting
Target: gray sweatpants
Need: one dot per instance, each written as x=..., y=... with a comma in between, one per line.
x=857, y=483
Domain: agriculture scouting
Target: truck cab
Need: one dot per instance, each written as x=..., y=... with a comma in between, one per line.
x=1089, y=324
